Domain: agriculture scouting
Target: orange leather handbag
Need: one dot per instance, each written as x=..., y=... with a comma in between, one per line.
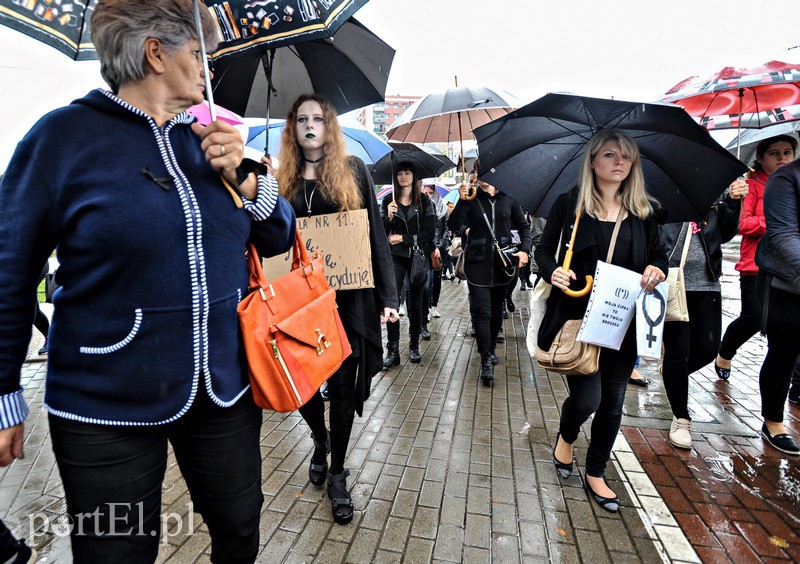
x=292, y=332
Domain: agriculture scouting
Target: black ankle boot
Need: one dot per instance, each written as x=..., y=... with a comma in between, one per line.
x=426, y=335
x=413, y=350
x=392, y=355
x=487, y=370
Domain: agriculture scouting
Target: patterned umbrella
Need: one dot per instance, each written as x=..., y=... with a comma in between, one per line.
x=63, y=25
x=736, y=98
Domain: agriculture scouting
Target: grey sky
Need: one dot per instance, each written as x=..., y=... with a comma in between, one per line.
x=629, y=49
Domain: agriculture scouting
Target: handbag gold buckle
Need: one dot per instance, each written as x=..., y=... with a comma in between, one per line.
x=271, y=291
x=322, y=341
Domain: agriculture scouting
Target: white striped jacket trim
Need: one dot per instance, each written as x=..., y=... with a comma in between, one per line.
x=264, y=204
x=137, y=322
x=13, y=409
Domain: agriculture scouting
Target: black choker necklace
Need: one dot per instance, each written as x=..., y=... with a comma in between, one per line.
x=314, y=162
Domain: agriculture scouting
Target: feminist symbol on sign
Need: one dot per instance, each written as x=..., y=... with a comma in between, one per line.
x=653, y=323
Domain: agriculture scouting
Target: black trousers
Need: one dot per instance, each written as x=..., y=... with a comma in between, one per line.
x=486, y=309
x=603, y=394
x=402, y=266
x=747, y=324
x=689, y=346
x=8, y=544
x=341, y=391
x=783, y=352
x=433, y=290
x=40, y=322
x=112, y=478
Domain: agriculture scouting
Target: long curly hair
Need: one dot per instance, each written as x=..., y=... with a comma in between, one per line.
x=335, y=174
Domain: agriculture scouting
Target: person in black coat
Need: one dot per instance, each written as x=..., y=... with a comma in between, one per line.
x=690, y=345
x=778, y=261
x=610, y=183
x=318, y=177
x=487, y=280
x=409, y=219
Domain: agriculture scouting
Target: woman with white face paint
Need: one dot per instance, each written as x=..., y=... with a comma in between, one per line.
x=317, y=176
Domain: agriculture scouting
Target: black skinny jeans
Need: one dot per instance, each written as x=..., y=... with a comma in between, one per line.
x=603, y=394
x=112, y=478
x=341, y=391
x=402, y=265
x=689, y=346
x=747, y=324
x=486, y=309
x=783, y=352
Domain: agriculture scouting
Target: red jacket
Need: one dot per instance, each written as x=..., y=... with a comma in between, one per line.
x=752, y=223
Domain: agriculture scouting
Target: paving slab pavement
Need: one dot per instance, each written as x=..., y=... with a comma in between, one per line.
x=444, y=469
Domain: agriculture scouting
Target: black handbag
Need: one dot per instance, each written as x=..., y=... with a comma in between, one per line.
x=419, y=267
x=420, y=264
x=780, y=283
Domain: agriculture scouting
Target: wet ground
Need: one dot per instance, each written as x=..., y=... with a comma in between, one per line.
x=444, y=469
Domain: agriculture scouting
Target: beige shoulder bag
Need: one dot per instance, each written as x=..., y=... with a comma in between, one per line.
x=677, y=308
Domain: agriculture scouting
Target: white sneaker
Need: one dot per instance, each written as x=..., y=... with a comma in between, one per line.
x=435, y=312
x=680, y=433
x=402, y=311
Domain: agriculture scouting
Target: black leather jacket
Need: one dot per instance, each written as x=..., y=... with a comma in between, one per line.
x=720, y=226
x=419, y=227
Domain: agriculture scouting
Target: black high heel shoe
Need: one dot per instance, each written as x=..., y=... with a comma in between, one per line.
x=610, y=504
x=564, y=470
x=318, y=472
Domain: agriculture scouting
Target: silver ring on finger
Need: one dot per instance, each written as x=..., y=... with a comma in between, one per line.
x=222, y=150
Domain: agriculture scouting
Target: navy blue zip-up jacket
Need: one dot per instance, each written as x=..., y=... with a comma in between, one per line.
x=778, y=251
x=150, y=275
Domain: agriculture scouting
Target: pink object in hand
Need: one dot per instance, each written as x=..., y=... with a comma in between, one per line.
x=203, y=114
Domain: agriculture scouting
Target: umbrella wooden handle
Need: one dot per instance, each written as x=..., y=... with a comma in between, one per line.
x=589, y=279
x=471, y=193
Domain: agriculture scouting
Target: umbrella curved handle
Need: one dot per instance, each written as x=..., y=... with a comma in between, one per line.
x=471, y=193
x=583, y=292
x=589, y=279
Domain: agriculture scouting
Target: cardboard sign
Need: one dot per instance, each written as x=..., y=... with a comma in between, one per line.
x=651, y=313
x=343, y=240
x=611, y=306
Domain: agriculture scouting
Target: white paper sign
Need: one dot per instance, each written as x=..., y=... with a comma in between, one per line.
x=651, y=312
x=611, y=306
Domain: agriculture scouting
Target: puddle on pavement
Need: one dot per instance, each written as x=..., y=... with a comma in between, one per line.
x=745, y=471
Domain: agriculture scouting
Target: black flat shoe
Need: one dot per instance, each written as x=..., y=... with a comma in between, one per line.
x=784, y=442
x=426, y=335
x=318, y=472
x=643, y=382
x=563, y=470
x=723, y=373
x=341, y=501
x=610, y=504
x=494, y=359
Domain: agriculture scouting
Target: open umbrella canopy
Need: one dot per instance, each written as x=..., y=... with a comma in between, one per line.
x=360, y=142
x=425, y=163
x=747, y=97
x=534, y=153
x=350, y=70
x=247, y=25
x=434, y=118
x=750, y=138
x=63, y=25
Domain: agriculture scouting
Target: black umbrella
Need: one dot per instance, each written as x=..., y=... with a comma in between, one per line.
x=534, y=153
x=350, y=70
x=425, y=163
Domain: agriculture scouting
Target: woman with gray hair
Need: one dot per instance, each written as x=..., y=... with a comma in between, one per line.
x=151, y=214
